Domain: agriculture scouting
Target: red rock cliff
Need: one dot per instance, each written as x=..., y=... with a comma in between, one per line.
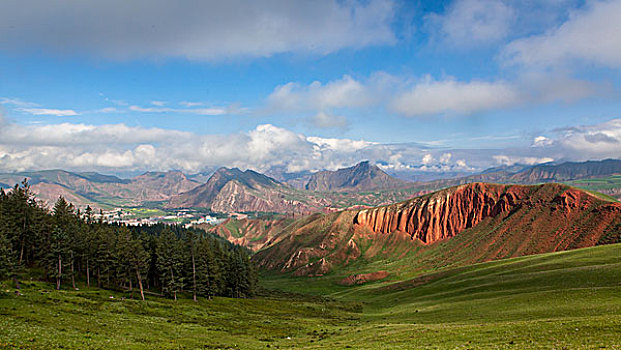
x=446, y=213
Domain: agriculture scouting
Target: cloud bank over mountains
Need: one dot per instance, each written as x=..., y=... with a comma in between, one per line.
x=118, y=148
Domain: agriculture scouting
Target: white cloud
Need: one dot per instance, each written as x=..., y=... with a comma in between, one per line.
x=69, y=134
x=345, y=92
x=339, y=145
x=427, y=96
x=511, y=160
x=590, y=35
x=190, y=104
x=49, y=111
x=107, y=110
x=446, y=157
x=17, y=102
x=430, y=97
x=541, y=141
x=199, y=111
x=592, y=141
x=118, y=148
x=461, y=163
x=195, y=29
x=427, y=159
x=158, y=103
x=471, y=23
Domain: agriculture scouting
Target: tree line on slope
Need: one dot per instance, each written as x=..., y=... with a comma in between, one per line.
x=70, y=245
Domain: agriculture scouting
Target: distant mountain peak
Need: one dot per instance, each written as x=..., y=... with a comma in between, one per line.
x=363, y=176
x=229, y=190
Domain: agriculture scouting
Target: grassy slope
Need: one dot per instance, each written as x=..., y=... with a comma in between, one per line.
x=46, y=319
x=561, y=300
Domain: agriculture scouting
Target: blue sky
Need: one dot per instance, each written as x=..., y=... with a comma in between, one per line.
x=456, y=85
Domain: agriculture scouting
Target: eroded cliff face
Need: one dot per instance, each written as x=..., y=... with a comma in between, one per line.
x=443, y=214
x=446, y=213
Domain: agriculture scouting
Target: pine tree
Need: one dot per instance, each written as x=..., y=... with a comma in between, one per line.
x=64, y=221
x=7, y=257
x=170, y=263
x=190, y=239
x=19, y=206
x=139, y=262
x=237, y=274
x=57, y=256
x=103, y=257
x=86, y=241
x=208, y=275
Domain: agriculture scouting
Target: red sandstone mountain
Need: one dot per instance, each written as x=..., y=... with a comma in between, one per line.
x=464, y=224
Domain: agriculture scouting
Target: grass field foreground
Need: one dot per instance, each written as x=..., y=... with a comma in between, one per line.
x=566, y=300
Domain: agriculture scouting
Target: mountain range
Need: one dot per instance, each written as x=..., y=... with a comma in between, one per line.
x=95, y=189
x=231, y=190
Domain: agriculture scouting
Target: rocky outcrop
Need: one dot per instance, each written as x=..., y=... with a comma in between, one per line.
x=446, y=213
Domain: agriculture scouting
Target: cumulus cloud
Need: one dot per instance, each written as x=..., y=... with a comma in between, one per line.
x=427, y=159
x=195, y=29
x=470, y=23
x=576, y=143
x=591, y=141
x=427, y=96
x=344, y=92
x=430, y=97
x=541, y=141
x=511, y=160
x=590, y=35
x=446, y=157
